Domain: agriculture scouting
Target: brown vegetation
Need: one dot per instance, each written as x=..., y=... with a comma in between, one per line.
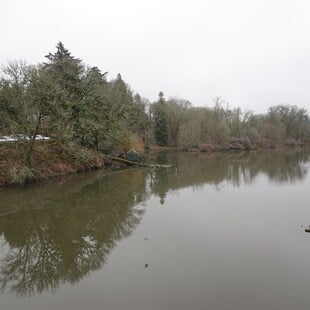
x=49, y=160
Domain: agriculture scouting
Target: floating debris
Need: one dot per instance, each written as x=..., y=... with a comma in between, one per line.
x=134, y=163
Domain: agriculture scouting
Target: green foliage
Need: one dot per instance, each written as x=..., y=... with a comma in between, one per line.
x=138, y=121
x=76, y=104
x=68, y=101
x=161, y=121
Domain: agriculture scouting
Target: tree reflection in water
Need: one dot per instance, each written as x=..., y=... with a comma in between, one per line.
x=198, y=169
x=61, y=231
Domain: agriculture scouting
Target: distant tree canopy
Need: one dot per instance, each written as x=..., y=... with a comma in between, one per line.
x=73, y=103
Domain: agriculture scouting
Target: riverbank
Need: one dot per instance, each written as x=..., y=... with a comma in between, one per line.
x=246, y=145
x=52, y=159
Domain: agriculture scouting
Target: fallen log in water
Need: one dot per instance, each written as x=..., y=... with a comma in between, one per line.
x=133, y=163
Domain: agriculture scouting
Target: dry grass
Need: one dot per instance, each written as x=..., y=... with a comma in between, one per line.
x=49, y=160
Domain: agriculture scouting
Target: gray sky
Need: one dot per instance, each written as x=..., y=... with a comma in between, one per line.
x=252, y=53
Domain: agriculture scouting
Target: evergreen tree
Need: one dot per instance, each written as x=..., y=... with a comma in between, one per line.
x=121, y=97
x=137, y=119
x=66, y=72
x=161, y=121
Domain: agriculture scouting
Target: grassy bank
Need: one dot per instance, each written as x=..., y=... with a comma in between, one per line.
x=49, y=159
x=54, y=158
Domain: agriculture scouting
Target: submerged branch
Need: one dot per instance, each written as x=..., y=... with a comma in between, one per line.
x=133, y=163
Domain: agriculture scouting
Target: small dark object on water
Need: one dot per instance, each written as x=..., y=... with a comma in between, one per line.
x=146, y=265
x=307, y=228
x=145, y=238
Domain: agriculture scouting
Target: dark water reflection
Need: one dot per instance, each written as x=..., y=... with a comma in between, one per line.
x=60, y=231
x=198, y=169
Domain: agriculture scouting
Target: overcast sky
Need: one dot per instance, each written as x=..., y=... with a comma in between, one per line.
x=252, y=53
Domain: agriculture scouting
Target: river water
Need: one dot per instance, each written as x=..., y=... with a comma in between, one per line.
x=217, y=232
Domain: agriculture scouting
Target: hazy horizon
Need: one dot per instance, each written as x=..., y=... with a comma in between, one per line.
x=253, y=54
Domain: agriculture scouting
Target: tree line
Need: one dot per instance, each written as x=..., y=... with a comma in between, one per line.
x=76, y=104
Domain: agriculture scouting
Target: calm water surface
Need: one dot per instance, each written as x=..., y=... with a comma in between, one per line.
x=213, y=232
